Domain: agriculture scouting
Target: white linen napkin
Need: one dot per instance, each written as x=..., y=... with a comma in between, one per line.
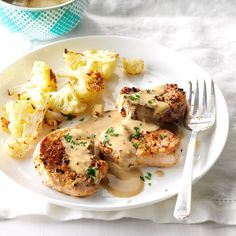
x=204, y=31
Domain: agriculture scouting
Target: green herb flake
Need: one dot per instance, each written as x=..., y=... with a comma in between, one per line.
x=162, y=136
x=147, y=177
x=69, y=117
x=68, y=138
x=82, y=143
x=149, y=174
x=135, y=144
x=149, y=184
x=142, y=178
x=81, y=119
x=136, y=134
x=106, y=141
x=137, y=129
x=135, y=97
x=92, y=136
x=152, y=101
x=109, y=132
x=92, y=172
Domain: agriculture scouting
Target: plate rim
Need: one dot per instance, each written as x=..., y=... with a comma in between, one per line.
x=172, y=193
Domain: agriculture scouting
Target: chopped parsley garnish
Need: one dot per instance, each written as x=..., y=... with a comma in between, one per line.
x=82, y=143
x=81, y=119
x=136, y=134
x=149, y=184
x=92, y=172
x=148, y=177
x=135, y=97
x=142, y=178
x=149, y=174
x=162, y=136
x=109, y=132
x=136, y=145
x=68, y=137
x=92, y=136
x=152, y=101
x=69, y=116
x=106, y=141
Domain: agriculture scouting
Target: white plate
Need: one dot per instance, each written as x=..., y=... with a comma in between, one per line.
x=161, y=65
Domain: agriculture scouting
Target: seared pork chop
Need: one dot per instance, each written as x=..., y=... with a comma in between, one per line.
x=136, y=144
x=166, y=103
x=66, y=160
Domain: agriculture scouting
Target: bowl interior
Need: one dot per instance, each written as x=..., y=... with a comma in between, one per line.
x=19, y=7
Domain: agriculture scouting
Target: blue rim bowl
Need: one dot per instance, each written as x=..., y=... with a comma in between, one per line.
x=43, y=23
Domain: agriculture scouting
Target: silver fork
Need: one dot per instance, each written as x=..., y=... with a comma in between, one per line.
x=201, y=117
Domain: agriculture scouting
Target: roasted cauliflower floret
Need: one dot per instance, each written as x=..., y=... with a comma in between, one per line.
x=133, y=66
x=89, y=86
x=102, y=61
x=53, y=118
x=24, y=123
x=24, y=120
x=16, y=148
x=36, y=90
x=66, y=101
x=74, y=59
x=37, y=98
x=43, y=80
x=43, y=77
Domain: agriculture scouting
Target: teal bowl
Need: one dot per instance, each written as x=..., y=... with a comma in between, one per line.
x=43, y=23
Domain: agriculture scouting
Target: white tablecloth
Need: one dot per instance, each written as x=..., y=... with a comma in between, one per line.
x=204, y=31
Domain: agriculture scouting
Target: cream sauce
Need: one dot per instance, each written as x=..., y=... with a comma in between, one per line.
x=143, y=126
x=147, y=98
x=120, y=182
x=119, y=139
x=159, y=173
x=96, y=125
x=119, y=142
x=77, y=151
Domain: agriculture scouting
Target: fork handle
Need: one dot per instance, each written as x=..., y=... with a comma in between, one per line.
x=183, y=203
